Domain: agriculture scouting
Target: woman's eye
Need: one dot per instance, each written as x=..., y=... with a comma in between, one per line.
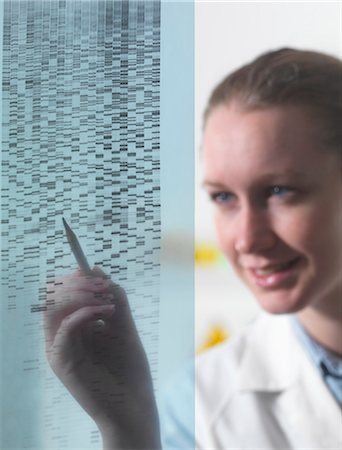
x=221, y=197
x=280, y=191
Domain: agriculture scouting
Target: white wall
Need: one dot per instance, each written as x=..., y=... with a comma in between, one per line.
x=227, y=35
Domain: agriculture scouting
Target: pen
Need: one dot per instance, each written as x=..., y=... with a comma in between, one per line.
x=79, y=255
x=82, y=261
x=77, y=250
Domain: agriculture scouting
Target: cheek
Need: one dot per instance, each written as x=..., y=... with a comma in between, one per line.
x=224, y=234
x=312, y=231
x=296, y=231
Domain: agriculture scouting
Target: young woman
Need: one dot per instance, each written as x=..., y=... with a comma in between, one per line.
x=272, y=157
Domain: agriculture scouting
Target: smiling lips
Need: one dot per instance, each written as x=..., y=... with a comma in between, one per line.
x=273, y=275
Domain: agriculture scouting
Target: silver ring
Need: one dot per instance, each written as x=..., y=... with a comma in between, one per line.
x=99, y=324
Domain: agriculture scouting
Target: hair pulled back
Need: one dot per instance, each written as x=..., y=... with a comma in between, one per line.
x=288, y=77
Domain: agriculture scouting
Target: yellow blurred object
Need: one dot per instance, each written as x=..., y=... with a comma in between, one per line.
x=206, y=254
x=216, y=335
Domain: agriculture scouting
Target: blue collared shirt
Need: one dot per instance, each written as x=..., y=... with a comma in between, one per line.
x=328, y=364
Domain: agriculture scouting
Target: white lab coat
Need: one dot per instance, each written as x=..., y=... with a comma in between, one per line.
x=261, y=391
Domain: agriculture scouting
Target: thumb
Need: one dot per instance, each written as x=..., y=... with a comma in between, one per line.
x=120, y=297
x=97, y=271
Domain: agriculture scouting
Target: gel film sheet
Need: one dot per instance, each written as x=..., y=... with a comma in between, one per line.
x=81, y=140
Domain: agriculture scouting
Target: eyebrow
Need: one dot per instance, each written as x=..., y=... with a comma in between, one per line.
x=267, y=177
x=211, y=184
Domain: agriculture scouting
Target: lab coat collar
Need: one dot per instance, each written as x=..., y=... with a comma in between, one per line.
x=301, y=402
x=274, y=366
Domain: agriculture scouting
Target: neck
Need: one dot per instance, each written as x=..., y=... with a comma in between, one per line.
x=326, y=329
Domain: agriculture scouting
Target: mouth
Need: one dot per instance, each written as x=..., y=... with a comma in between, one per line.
x=274, y=275
x=273, y=268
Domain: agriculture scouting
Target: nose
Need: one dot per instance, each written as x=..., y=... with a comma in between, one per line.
x=254, y=233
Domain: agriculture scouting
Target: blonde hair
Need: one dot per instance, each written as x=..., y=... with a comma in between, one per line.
x=288, y=77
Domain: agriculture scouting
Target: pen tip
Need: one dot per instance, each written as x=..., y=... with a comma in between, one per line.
x=68, y=230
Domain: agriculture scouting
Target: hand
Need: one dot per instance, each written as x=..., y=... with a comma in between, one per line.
x=93, y=347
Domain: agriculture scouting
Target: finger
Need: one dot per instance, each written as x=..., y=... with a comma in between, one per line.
x=97, y=271
x=94, y=284
x=60, y=292
x=118, y=291
x=67, y=341
x=66, y=303
x=64, y=278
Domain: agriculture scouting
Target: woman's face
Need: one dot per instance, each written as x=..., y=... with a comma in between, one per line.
x=278, y=212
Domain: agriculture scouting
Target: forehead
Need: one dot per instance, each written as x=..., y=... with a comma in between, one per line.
x=259, y=141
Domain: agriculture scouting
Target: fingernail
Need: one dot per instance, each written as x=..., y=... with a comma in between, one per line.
x=100, y=285
x=108, y=310
x=109, y=297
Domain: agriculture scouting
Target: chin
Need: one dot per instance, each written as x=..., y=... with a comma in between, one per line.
x=280, y=302
x=281, y=294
